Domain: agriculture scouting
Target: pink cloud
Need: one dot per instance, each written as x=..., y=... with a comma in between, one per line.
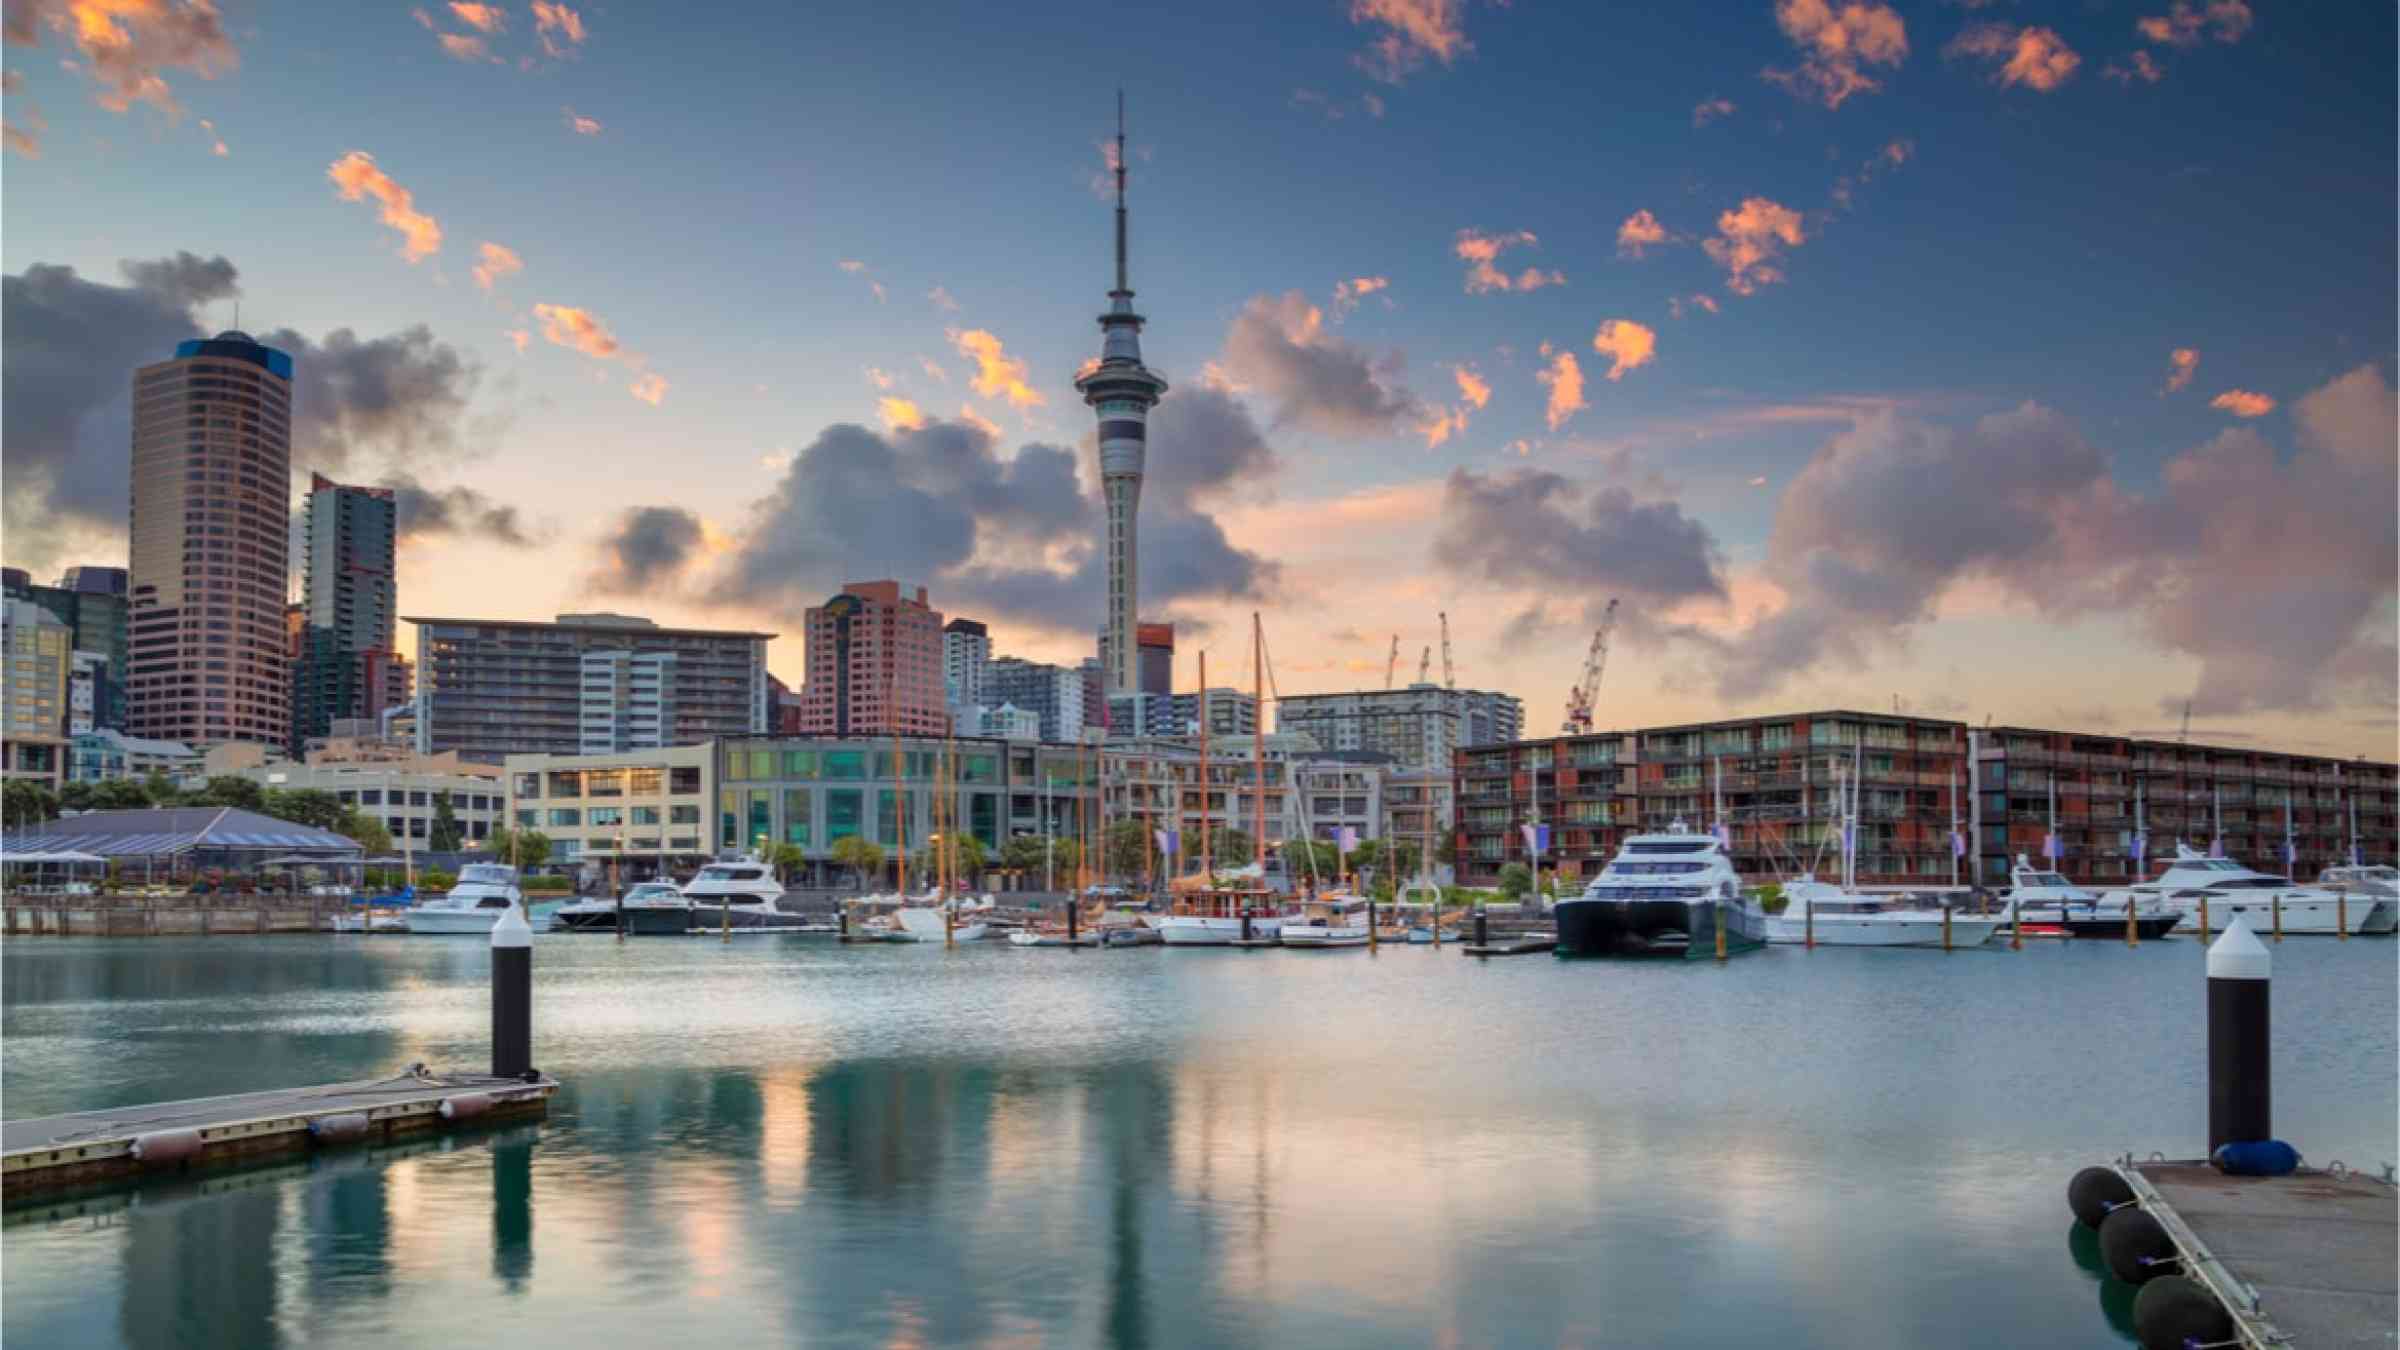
x=496, y=261
x=1563, y=377
x=1837, y=41
x=560, y=28
x=1481, y=253
x=650, y=387
x=125, y=46
x=997, y=374
x=1413, y=31
x=2181, y=363
x=355, y=177
x=1750, y=241
x=2140, y=66
x=2181, y=25
x=1640, y=231
x=578, y=330
x=1712, y=110
x=581, y=125
x=465, y=47
x=481, y=18
x=1628, y=345
x=2034, y=57
x=2243, y=403
x=1347, y=294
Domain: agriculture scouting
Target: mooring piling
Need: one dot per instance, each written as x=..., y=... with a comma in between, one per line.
x=512, y=995
x=2240, y=1096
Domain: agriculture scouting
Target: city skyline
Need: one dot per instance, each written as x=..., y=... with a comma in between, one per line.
x=1916, y=352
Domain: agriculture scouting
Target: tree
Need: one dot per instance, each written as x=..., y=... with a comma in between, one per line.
x=1305, y=858
x=161, y=790
x=124, y=794
x=531, y=847
x=76, y=796
x=444, y=837
x=1023, y=853
x=966, y=853
x=26, y=802
x=860, y=854
x=782, y=858
x=232, y=790
x=1129, y=849
x=303, y=806
x=363, y=829
x=1230, y=848
x=1515, y=880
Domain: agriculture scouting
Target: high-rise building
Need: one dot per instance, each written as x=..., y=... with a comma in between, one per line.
x=499, y=687
x=1121, y=392
x=346, y=662
x=1154, y=649
x=874, y=664
x=1052, y=693
x=966, y=650
x=1095, y=697
x=212, y=465
x=1224, y=711
x=33, y=712
x=90, y=601
x=1418, y=726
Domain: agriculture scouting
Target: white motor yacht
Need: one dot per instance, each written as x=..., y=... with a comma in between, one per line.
x=739, y=895
x=1663, y=894
x=2379, y=884
x=651, y=907
x=1835, y=917
x=483, y=892
x=2231, y=888
x=1220, y=918
x=1334, y=919
x=2055, y=907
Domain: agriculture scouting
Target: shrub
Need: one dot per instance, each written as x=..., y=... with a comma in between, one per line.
x=435, y=881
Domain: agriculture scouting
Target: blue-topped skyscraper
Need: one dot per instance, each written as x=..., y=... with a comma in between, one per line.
x=1121, y=391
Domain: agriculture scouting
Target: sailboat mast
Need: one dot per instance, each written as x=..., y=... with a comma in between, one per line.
x=899, y=788
x=1955, y=849
x=1208, y=865
x=2351, y=793
x=1258, y=746
x=1857, y=781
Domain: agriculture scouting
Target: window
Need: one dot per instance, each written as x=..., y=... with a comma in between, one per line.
x=529, y=785
x=528, y=818
x=565, y=815
x=799, y=763
x=762, y=821
x=842, y=808
x=683, y=815
x=846, y=764
x=605, y=815
x=729, y=817
x=565, y=783
x=645, y=815
x=604, y=783
x=796, y=816
x=644, y=782
x=683, y=780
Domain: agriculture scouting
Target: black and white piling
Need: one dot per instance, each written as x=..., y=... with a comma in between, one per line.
x=512, y=995
x=2240, y=1099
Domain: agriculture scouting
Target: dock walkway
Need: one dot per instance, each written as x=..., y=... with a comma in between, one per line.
x=92, y=1146
x=2306, y=1260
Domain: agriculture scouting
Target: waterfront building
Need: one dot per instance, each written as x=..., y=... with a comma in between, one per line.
x=966, y=650
x=1052, y=693
x=1223, y=711
x=1006, y=722
x=90, y=692
x=1121, y=391
x=646, y=809
x=874, y=663
x=1418, y=810
x=497, y=687
x=1779, y=777
x=211, y=481
x=105, y=754
x=402, y=794
x=1420, y=725
x=1094, y=697
x=346, y=662
x=33, y=696
x=90, y=601
x=2106, y=787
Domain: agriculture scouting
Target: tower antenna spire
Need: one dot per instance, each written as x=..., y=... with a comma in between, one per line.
x=1122, y=287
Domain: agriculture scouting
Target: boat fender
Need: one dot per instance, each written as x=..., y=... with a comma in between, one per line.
x=466, y=1105
x=2135, y=1245
x=2095, y=1191
x=347, y=1128
x=2256, y=1158
x=2172, y=1312
x=160, y=1147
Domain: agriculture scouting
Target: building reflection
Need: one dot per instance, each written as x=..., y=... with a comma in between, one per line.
x=198, y=1271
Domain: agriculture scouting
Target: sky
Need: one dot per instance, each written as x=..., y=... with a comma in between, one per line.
x=2013, y=361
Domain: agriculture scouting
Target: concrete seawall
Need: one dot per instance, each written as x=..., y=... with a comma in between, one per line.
x=164, y=916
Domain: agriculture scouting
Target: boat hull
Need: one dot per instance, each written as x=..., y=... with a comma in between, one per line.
x=657, y=921
x=1192, y=930
x=1867, y=930
x=1677, y=927
x=1306, y=937
x=2314, y=915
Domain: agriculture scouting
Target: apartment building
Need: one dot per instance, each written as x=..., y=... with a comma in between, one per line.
x=645, y=810
x=1420, y=725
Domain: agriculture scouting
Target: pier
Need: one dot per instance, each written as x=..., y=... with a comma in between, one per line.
x=2305, y=1259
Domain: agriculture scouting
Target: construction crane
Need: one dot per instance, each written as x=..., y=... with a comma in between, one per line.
x=1579, y=699
x=1424, y=664
x=2184, y=737
x=1391, y=664
x=1449, y=672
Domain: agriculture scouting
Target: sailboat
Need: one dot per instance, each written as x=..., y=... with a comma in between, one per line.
x=1205, y=913
x=1840, y=915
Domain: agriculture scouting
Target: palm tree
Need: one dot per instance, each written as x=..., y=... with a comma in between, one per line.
x=860, y=854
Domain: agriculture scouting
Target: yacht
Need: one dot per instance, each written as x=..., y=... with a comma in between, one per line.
x=2230, y=889
x=738, y=894
x=1214, y=918
x=1334, y=919
x=482, y=893
x=2379, y=884
x=1662, y=895
x=2048, y=901
x=656, y=903
x=921, y=920
x=1832, y=916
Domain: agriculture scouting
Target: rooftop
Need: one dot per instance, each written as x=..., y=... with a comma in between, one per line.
x=586, y=622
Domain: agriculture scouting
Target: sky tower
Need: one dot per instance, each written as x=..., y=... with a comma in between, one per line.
x=1121, y=392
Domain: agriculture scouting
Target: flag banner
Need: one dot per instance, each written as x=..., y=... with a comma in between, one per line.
x=1537, y=838
x=2290, y=854
x=2354, y=855
x=2141, y=846
x=1348, y=839
x=1724, y=833
x=2216, y=847
x=1849, y=838
x=2050, y=847
x=1958, y=844
x=1167, y=840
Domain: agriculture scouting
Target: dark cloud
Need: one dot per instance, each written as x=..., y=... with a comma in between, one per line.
x=71, y=345
x=454, y=512
x=1013, y=539
x=1532, y=528
x=1316, y=380
x=650, y=547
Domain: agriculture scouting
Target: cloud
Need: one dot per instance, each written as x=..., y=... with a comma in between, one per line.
x=2034, y=57
x=496, y=261
x=216, y=143
x=1413, y=30
x=2181, y=25
x=899, y=414
x=520, y=339
x=454, y=512
x=1628, y=345
x=2243, y=403
x=942, y=300
x=1750, y=241
x=2140, y=66
x=859, y=269
x=578, y=330
x=650, y=387
x=355, y=177
x=1335, y=109
x=1474, y=393
x=581, y=125
x=1640, y=231
x=23, y=132
x=997, y=374
x=65, y=415
x=1472, y=387
x=1281, y=348
x=1711, y=110
x=1347, y=294
x=2181, y=364
x=1533, y=529
x=465, y=47
x=933, y=369
x=560, y=28
x=1678, y=306
x=879, y=377
x=1837, y=40
x=1481, y=252
x=125, y=46
x=1563, y=377
x=481, y=18
x=648, y=549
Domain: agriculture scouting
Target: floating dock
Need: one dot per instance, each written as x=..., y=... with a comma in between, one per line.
x=49, y=1152
x=2300, y=1260
x=1521, y=947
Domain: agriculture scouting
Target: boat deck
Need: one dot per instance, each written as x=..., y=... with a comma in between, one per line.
x=93, y=1146
x=2307, y=1259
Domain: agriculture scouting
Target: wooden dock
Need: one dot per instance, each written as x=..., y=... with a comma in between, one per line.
x=1520, y=947
x=49, y=1152
x=2306, y=1259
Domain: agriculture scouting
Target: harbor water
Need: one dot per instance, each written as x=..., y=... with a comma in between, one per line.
x=787, y=1141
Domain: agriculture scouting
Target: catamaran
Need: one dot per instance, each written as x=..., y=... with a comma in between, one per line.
x=1662, y=894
